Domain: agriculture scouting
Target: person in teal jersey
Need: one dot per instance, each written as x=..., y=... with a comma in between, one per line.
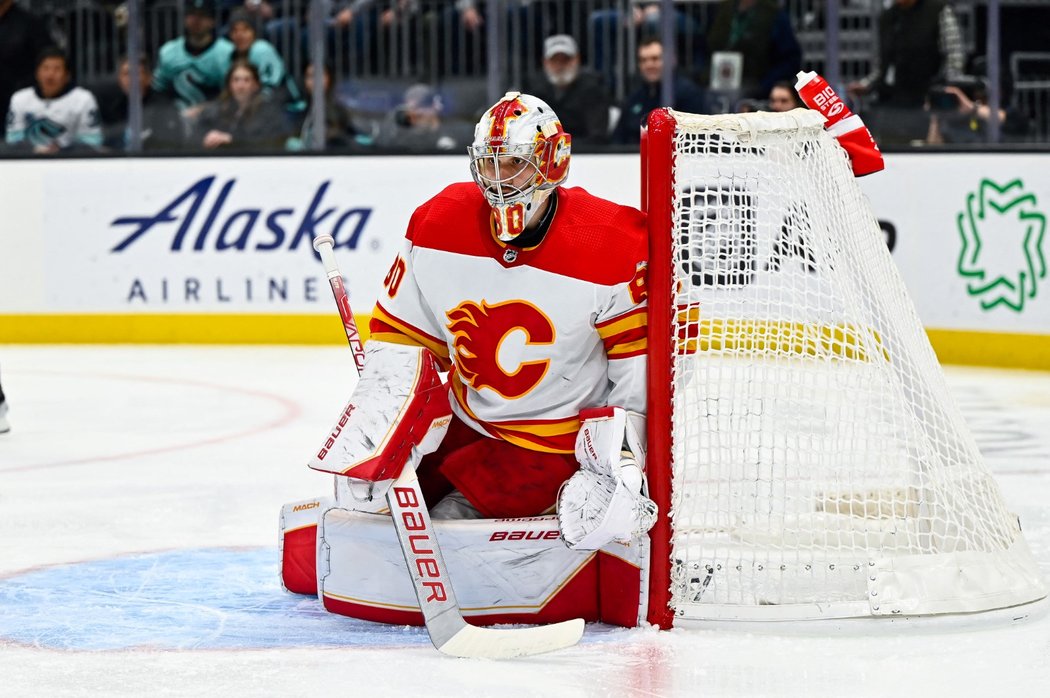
x=276, y=82
x=192, y=69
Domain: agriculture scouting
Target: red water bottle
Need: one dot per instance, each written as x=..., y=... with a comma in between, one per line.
x=817, y=94
x=841, y=122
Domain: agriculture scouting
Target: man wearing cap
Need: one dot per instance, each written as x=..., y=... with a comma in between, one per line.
x=578, y=96
x=192, y=68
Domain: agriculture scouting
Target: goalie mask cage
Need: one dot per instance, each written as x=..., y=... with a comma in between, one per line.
x=804, y=450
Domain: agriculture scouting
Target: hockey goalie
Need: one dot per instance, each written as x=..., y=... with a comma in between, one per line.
x=506, y=365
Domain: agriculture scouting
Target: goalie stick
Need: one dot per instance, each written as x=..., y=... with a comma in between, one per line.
x=444, y=620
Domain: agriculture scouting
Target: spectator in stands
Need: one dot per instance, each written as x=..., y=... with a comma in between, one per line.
x=53, y=115
x=418, y=124
x=458, y=29
x=606, y=32
x=340, y=132
x=578, y=96
x=760, y=31
x=162, y=128
x=243, y=118
x=192, y=68
x=646, y=97
x=350, y=26
x=282, y=24
x=959, y=113
x=276, y=82
x=23, y=36
x=920, y=45
x=783, y=97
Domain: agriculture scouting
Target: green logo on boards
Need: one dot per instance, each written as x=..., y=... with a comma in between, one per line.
x=1003, y=238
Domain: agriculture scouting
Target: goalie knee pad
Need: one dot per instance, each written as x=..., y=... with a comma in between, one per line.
x=399, y=411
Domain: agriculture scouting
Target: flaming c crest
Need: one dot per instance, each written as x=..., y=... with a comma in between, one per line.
x=480, y=329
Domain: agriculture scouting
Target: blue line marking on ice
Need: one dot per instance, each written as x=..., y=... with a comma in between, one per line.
x=211, y=598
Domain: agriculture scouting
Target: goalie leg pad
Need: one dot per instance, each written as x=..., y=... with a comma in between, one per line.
x=504, y=571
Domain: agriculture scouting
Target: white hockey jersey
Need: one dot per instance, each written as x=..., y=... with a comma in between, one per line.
x=69, y=119
x=532, y=336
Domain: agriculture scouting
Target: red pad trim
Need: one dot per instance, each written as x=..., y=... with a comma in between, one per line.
x=299, y=561
x=620, y=586
x=596, y=413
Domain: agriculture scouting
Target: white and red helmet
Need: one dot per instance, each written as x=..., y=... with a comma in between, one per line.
x=519, y=155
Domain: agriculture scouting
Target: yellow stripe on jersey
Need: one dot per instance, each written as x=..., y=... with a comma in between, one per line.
x=621, y=351
x=434, y=344
x=567, y=442
x=547, y=437
x=394, y=338
x=631, y=321
x=569, y=425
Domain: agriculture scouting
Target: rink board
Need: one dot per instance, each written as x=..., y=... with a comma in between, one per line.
x=195, y=250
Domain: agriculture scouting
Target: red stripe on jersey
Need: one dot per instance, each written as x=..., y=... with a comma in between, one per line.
x=633, y=317
x=383, y=321
x=622, y=339
x=590, y=239
x=628, y=354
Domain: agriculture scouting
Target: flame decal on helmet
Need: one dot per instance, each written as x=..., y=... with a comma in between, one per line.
x=502, y=114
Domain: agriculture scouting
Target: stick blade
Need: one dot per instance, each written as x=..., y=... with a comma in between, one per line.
x=497, y=643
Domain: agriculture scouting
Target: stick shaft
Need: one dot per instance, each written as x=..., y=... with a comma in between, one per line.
x=324, y=246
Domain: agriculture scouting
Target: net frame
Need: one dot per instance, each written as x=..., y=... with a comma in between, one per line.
x=1006, y=573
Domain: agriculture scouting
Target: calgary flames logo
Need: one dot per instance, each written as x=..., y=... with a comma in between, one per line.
x=480, y=330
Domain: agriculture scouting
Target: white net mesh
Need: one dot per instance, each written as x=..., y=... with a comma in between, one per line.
x=816, y=450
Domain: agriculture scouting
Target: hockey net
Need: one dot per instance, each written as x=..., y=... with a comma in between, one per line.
x=806, y=454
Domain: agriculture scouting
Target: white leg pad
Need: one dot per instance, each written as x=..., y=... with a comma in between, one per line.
x=502, y=570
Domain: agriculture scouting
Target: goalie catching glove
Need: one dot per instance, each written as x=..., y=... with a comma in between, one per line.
x=605, y=500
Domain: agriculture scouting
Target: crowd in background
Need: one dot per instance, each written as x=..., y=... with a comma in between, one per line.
x=238, y=77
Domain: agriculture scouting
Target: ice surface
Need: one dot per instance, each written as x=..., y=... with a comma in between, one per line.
x=139, y=495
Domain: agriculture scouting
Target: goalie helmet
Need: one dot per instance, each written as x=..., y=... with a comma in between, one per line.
x=520, y=154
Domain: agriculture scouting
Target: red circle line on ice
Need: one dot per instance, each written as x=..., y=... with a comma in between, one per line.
x=290, y=411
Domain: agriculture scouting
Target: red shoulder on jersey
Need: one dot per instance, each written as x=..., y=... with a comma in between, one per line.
x=456, y=220
x=590, y=238
x=593, y=239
